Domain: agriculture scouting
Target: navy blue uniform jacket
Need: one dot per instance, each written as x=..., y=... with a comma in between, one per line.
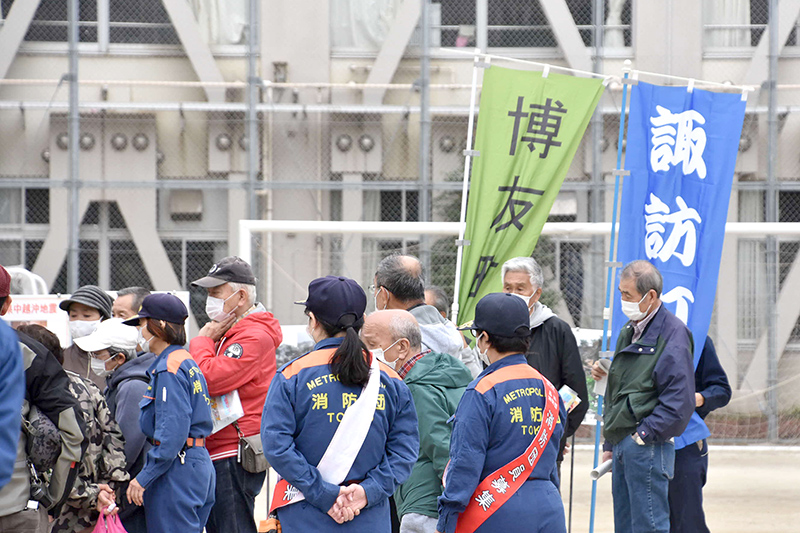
x=491, y=428
x=304, y=406
x=174, y=408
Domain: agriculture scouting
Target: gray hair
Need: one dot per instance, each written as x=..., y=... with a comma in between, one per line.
x=139, y=294
x=129, y=353
x=527, y=265
x=406, y=284
x=647, y=276
x=440, y=299
x=405, y=327
x=249, y=289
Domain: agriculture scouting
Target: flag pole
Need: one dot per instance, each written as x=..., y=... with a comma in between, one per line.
x=468, y=154
x=612, y=254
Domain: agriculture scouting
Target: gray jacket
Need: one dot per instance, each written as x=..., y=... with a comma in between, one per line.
x=440, y=335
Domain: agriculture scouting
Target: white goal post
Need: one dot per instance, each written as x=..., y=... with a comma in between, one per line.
x=577, y=229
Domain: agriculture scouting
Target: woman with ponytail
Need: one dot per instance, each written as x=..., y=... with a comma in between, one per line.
x=339, y=427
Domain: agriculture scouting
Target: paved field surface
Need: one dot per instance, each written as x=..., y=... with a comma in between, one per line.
x=751, y=489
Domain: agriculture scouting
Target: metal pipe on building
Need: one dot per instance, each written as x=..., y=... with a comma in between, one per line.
x=269, y=179
x=253, y=87
x=597, y=213
x=771, y=204
x=74, y=126
x=425, y=132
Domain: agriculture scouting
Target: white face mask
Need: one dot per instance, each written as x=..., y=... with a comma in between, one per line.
x=144, y=344
x=484, y=356
x=378, y=353
x=215, y=308
x=526, y=299
x=82, y=328
x=631, y=309
x=99, y=367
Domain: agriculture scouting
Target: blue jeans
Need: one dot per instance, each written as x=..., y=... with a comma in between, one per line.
x=640, y=486
x=236, y=492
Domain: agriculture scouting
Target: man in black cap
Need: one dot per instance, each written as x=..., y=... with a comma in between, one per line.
x=87, y=307
x=236, y=352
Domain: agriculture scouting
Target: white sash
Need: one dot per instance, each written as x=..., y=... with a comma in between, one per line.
x=338, y=459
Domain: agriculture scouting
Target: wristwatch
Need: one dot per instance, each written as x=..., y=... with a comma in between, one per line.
x=637, y=439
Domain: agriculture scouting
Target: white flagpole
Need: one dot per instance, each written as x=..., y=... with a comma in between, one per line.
x=468, y=153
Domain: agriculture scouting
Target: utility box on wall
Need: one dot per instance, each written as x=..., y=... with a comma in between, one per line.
x=118, y=147
x=356, y=143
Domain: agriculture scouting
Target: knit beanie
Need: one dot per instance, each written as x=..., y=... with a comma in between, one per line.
x=92, y=296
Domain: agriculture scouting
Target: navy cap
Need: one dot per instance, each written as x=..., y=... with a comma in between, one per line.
x=230, y=269
x=502, y=314
x=163, y=306
x=336, y=300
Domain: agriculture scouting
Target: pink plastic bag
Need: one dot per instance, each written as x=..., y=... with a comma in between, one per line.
x=109, y=524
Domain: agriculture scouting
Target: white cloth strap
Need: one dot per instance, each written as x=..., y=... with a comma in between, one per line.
x=338, y=459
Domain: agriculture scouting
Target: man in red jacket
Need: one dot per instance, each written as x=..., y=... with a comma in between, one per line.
x=236, y=353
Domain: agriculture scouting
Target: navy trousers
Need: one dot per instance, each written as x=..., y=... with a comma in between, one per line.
x=181, y=499
x=686, y=490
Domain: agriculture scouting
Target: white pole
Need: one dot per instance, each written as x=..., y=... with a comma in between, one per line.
x=245, y=230
x=467, y=160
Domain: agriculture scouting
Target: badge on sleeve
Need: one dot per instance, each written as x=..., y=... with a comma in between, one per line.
x=234, y=351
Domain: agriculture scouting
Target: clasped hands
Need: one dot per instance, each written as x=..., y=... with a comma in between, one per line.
x=348, y=505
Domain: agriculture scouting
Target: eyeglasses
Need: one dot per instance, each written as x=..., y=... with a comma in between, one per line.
x=372, y=288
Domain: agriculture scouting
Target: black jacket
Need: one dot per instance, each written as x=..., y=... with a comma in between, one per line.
x=47, y=387
x=554, y=353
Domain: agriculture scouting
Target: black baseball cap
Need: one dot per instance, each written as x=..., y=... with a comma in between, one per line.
x=162, y=306
x=231, y=269
x=336, y=300
x=501, y=314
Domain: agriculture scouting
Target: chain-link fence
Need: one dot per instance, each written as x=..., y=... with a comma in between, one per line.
x=164, y=174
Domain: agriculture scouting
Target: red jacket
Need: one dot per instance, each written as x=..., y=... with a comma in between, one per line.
x=243, y=360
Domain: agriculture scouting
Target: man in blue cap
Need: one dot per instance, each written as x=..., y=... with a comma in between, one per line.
x=506, y=434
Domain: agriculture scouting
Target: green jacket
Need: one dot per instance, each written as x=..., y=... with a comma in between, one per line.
x=651, y=382
x=437, y=382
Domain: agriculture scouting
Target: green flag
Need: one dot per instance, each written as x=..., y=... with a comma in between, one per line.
x=529, y=128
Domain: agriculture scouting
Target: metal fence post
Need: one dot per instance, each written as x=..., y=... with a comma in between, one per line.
x=74, y=153
x=425, y=132
x=771, y=204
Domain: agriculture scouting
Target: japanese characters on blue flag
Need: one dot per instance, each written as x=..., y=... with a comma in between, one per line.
x=681, y=154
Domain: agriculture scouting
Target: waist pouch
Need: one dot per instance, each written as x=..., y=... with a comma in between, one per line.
x=251, y=454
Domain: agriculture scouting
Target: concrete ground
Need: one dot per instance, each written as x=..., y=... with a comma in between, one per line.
x=751, y=489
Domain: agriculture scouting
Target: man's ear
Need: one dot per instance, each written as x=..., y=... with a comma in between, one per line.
x=405, y=346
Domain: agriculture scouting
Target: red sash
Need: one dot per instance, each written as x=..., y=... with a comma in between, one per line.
x=283, y=494
x=496, y=488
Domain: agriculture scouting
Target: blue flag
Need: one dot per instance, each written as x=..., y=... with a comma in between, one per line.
x=681, y=153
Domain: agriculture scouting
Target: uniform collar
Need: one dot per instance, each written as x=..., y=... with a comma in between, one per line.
x=508, y=360
x=330, y=342
x=160, y=362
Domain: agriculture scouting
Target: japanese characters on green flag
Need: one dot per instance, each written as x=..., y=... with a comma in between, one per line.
x=529, y=128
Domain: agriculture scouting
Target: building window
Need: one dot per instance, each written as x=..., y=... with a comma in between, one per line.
x=399, y=206
x=134, y=22
x=37, y=206
x=191, y=260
